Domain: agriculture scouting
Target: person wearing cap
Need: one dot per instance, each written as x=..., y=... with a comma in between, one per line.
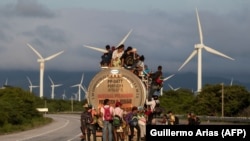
x=118, y=131
x=88, y=123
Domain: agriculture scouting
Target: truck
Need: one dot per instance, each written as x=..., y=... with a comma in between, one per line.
x=117, y=84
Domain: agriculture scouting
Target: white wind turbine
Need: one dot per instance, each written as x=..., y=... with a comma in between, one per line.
x=231, y=83
x=42, y=61
x=104, y=50
x=165, y=79
x=31, y=86
x=86, y=92
x=53, y=88
x=80, y=87
x=75, y=94
x=64, y=95
x=198, y=50
x=5, y=84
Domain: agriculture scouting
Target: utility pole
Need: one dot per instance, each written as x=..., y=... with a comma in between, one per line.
x=222, y=100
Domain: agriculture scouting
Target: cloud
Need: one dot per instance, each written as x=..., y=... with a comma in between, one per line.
x=27, y=8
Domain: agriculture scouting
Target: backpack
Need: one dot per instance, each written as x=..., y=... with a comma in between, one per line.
x=116, y=121
x=107, y=114
x=131, y=119
x=87, y=118
x=176, y=120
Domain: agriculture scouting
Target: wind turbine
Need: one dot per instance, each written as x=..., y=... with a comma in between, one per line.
x=31, y=85
x=86, y=92
x=64, y=95
x=231, y=83
x=42, y=61
x=165, y=79
x=104, y=50
x=5, y=84
x=80, y=87
x=174, y=89
x=53, y=88
x=198, y=50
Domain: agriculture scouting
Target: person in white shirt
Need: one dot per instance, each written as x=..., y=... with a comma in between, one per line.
x=117, y=53
x=152, y=104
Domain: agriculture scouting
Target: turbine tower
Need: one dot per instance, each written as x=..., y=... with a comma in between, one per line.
x=104, y=50
x=31, y=85
x=64, y=95
x=5, y=84
x=198, y=50
x=42, y=61
x=80, y=87
x=53, y=88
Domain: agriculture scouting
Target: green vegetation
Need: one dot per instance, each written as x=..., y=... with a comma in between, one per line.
x=18, y=107
x=209, y=101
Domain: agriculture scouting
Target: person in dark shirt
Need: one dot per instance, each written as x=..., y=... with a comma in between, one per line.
x=106, y=57
x=154, y=83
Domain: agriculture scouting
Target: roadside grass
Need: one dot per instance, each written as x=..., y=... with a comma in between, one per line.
x=34, y=123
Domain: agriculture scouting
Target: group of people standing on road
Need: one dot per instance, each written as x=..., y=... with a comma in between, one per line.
x=116, y=123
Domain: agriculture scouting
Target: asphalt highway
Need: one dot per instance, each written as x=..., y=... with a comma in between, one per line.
x=63, y=128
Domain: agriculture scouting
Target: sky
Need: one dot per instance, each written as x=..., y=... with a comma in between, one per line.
x=164, y=31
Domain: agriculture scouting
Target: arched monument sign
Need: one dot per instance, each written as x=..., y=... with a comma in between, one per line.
x=116, y=84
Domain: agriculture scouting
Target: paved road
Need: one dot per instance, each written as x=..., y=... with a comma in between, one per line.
x=64, y=128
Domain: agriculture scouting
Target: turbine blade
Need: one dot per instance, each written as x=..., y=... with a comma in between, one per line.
x=199, y=27
x=95, y=48
x=170, y=87
x=57, y=85
x=37, y=53
x=51, y=80
x=82, y=79
x=53, y=56
x=29, y=80
x=125, y=38
x=188, y=59
x=208, y=49
x=168, y=77
x=75, y=85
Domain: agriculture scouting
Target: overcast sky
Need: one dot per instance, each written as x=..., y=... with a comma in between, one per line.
x=164, y=31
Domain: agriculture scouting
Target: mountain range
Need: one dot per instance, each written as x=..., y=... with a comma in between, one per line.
x=18, y=78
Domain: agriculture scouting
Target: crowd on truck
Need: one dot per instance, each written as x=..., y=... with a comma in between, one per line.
x=114, y=122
